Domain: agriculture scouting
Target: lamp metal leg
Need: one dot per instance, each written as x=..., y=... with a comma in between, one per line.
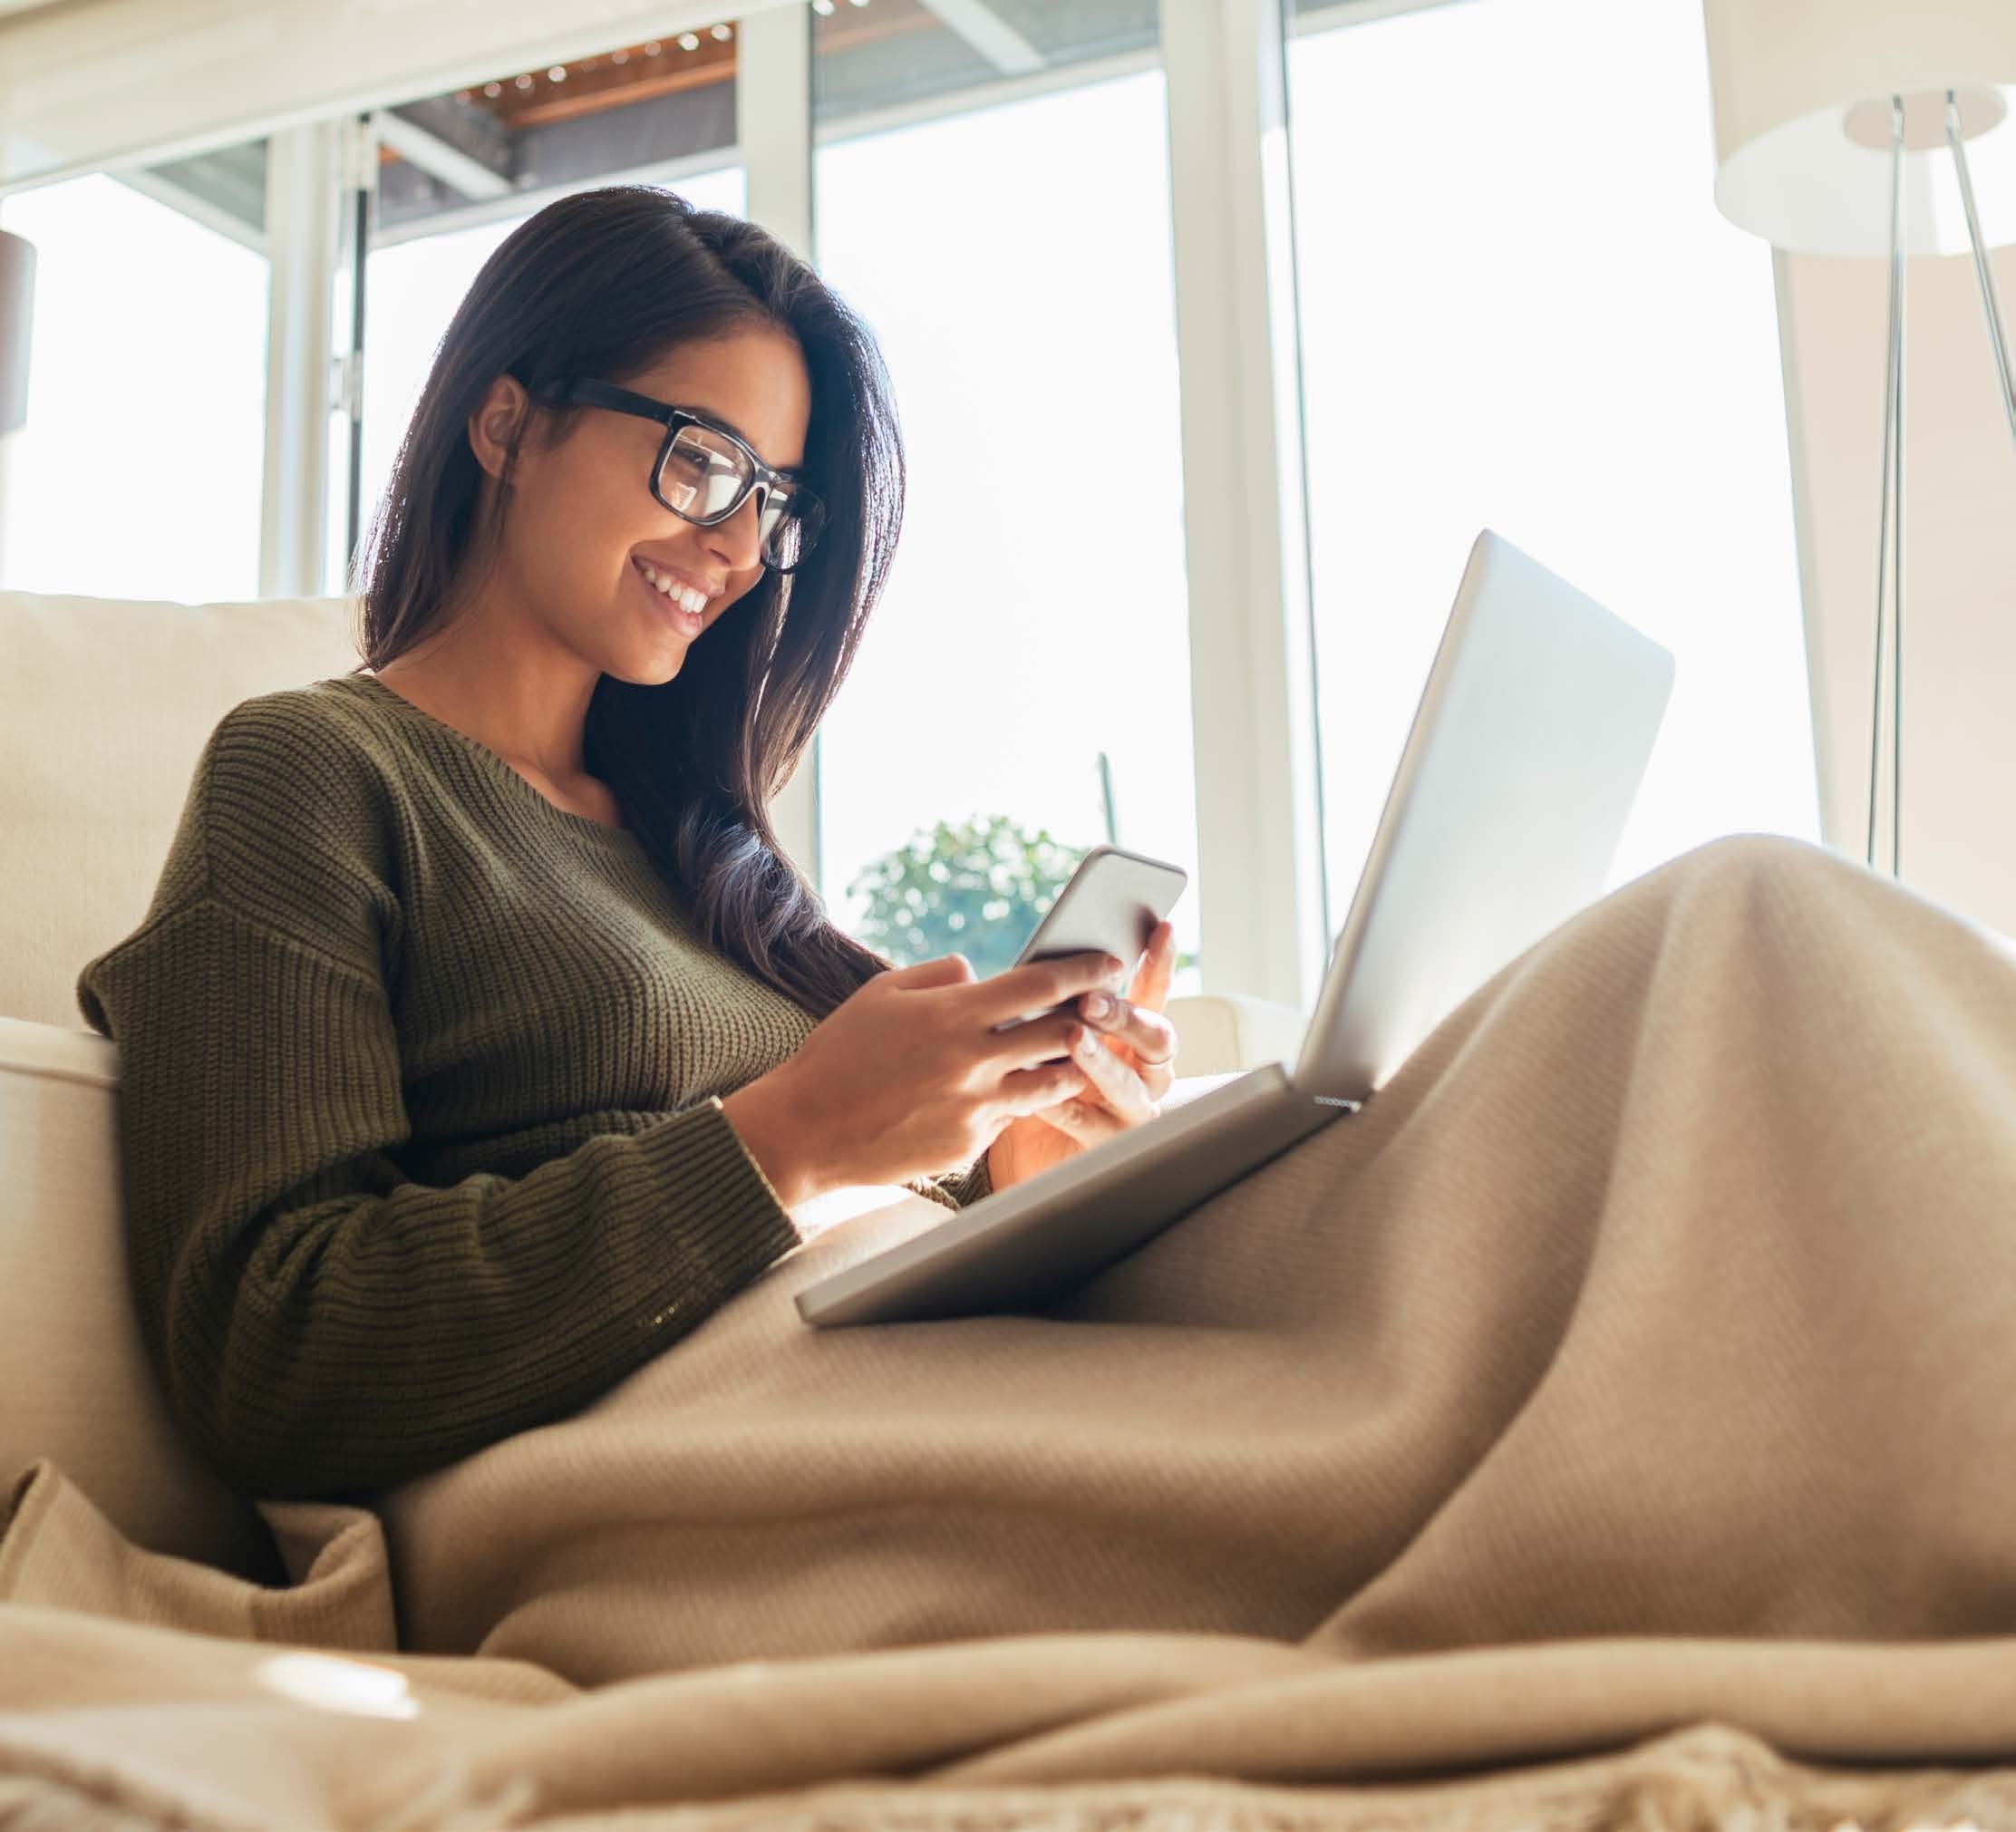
x=1889, y=538
x=1985, y=270
x=1896, y=592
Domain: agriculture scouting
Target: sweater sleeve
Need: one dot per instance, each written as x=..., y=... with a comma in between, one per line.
x=958, y=1188
x=324, y=1324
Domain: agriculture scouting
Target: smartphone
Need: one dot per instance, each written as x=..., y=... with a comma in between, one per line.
x=1111, y=906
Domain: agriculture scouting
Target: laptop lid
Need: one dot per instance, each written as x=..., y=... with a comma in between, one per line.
x=1519, y=771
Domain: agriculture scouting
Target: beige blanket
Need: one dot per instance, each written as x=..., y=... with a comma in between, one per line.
x=1627, y=1391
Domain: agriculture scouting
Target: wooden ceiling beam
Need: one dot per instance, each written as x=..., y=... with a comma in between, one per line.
x=661, y=67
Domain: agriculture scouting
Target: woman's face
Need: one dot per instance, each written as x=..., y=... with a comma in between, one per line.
x=582, y=526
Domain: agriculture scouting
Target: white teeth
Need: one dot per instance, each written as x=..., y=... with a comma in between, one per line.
x=685, y=596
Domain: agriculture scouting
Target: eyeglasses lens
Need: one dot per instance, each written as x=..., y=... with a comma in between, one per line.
x=705, y=477
x=789, y=531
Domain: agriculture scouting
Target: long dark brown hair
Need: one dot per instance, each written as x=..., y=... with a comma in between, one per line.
x=604, y=283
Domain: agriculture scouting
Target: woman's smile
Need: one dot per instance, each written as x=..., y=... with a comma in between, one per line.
x=681, y=603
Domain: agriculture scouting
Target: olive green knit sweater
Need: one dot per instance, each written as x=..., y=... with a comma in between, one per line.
x=421, y=1082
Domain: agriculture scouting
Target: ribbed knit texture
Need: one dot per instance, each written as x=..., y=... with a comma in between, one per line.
x=420, y=1100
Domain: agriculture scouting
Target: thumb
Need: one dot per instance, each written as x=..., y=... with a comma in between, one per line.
x=947, y=970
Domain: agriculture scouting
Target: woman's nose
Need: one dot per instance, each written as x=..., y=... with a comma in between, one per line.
x=739, y=539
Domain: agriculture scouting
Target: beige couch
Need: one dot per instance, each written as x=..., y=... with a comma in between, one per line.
x=107, y=704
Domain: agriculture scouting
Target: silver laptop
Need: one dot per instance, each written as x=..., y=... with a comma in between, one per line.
x=1521, y=767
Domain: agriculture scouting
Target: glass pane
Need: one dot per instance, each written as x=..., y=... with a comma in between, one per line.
x=1521, y=309
x=880, y=56
x=1032, y=652
x=653, y=111
x=125, y=359
x=897, y=54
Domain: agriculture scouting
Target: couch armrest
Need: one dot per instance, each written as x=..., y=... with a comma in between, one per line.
x=69, y=1054
x=1222, y=1034
x=80, y=1389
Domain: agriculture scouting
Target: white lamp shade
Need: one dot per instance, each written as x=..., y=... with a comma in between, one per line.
x=1802, y=134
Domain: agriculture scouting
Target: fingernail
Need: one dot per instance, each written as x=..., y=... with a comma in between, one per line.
x=1115, y=966
x=1097, y=1006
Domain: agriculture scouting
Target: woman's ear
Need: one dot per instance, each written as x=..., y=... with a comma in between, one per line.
x=496, y=420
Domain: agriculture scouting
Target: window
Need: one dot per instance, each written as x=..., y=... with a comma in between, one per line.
x=138, y=473
x=893, y=57
x=1029, y=663
x=1521, y=309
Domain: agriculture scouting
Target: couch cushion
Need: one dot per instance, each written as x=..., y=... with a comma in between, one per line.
x=77, y=1384
x=108, y=705
x=1219, y=1032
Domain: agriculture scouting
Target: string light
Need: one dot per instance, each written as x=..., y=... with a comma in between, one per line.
x=687, y=40
x=824, y=8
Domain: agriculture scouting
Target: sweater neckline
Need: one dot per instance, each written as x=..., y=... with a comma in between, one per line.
x=601, y=829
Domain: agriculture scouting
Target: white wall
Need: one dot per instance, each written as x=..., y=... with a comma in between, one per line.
x=1960, y=560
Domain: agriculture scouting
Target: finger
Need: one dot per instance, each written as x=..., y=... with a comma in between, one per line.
x=1031, y=1091
x=1041, y=984
x=1041, y=1040
x=1084, y=1120
x=1151, y=983
x=1113, y=1079
x=946, y=970
x=1147, y=1032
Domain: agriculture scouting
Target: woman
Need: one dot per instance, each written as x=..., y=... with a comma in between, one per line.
x=480, y=1037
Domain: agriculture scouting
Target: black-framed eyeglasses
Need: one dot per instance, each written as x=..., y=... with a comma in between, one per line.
x=703, y=472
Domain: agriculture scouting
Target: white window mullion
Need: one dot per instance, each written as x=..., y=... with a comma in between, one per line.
x=307, y=186
x=774, y=121
x=773, y=126
x=1265, y=927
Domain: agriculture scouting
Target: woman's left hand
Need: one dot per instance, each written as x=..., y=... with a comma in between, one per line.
x=1128, y=1055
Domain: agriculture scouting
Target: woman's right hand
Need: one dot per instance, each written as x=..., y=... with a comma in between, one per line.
x=908, y=1078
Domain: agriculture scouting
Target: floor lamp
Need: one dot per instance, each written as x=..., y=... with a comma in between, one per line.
x=1881, y=128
